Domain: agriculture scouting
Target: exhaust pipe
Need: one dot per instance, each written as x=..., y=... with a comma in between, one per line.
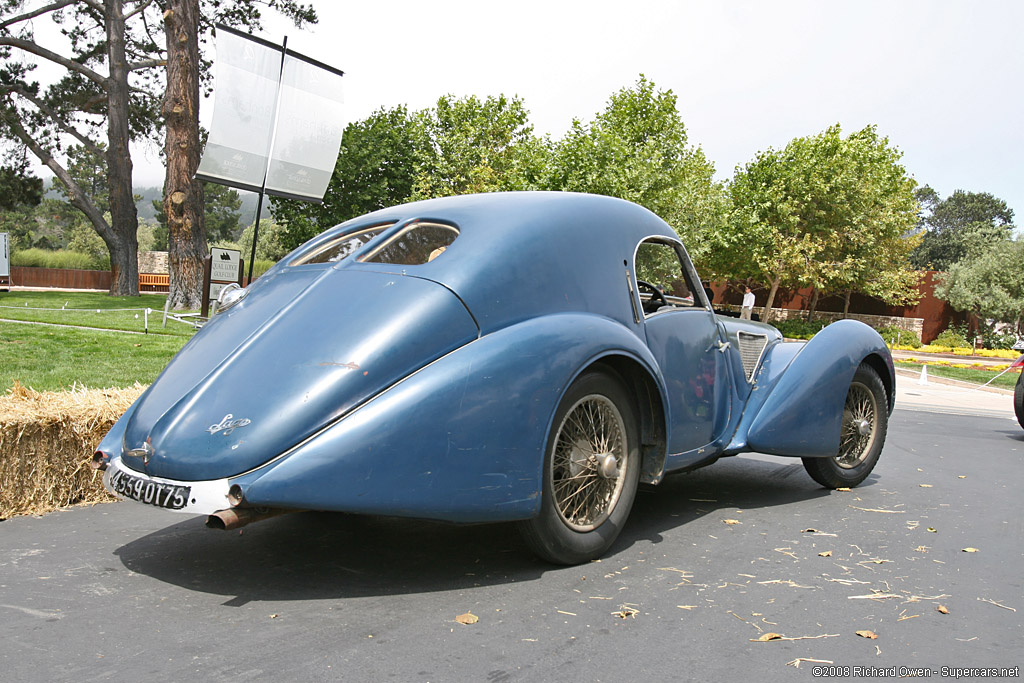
x=236, y=518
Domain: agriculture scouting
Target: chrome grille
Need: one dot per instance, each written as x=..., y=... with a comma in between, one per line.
x=751, y=349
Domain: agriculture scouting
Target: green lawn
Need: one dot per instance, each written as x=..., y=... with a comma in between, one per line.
x=1006, y=381
x=52, y=357
x=91, y=310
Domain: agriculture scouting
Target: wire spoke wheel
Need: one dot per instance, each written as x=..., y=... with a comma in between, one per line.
x=588, y=461
x=860, y=419
x=862, y=433
x=590, y=473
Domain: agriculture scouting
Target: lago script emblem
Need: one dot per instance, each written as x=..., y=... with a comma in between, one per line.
x=228, y=425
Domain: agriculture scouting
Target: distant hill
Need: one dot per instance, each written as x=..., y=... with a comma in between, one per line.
x=148, y=194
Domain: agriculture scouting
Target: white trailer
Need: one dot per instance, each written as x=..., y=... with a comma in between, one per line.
x=5, y=261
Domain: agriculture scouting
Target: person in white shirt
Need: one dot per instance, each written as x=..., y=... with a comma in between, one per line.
x=748, y=303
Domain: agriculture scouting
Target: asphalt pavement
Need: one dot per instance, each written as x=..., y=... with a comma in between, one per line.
x=920, y=566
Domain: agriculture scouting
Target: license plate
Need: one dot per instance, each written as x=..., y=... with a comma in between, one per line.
x=170, y=496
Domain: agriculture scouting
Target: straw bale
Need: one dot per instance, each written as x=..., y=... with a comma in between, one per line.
x=47, y=440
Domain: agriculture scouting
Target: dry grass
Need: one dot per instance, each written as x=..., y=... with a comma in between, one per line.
x=46, y=444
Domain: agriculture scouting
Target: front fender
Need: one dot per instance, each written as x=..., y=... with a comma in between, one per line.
x=801, y=413
x=461, y=440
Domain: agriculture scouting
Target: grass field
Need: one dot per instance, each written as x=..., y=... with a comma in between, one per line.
x=58, y=355
x=91, y=310
x=1006, y=381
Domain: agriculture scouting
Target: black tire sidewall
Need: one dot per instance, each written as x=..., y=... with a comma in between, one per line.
x=1018, y=399
x=825, y=470
x=547, y=534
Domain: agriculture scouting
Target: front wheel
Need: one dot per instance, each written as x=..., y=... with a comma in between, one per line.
x=1018, y=399
x=865, y=420
x=591, y=469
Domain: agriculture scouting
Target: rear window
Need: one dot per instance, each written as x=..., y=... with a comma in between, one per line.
x=337, y=249
x=418, y=243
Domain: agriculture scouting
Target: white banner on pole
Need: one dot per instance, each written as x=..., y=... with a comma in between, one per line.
x=243, y=115
x=294, y=106
x=308, y=131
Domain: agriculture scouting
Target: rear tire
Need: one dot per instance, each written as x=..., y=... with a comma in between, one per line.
x=865, y=420
x=591, y=469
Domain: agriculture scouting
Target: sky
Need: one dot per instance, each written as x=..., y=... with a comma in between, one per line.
x=942, y=79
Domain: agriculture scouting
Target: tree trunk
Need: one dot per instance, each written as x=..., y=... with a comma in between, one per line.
x=814, y=305
x=183, y=193
x=771, y=300
x=123, y=240
x=846, y=303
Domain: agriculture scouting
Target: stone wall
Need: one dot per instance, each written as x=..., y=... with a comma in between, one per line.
x=153, y=262
x=915, y=325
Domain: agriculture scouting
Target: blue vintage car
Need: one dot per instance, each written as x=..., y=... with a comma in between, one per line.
x=512, y=356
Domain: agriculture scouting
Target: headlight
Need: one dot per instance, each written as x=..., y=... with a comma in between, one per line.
x=229, y=296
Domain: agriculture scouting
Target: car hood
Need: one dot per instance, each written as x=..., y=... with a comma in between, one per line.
x=301, y=350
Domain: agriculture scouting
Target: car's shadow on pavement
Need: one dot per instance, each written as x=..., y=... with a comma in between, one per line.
x=319, y=555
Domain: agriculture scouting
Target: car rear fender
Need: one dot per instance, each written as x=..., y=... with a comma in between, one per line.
x=796, y=408
x=461, y=440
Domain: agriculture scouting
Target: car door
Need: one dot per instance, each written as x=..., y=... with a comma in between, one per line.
x=685, y=339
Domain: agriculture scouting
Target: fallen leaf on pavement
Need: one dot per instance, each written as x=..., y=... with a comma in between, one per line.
x=969, y=550
x=827, y=553
x=731, y=521
x=867, y=634
x=942, y=609
x=467, y=618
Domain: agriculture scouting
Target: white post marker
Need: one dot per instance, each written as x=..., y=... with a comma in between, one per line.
x=924, y=375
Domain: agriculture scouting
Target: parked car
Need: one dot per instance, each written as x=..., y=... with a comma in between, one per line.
x=526, y=357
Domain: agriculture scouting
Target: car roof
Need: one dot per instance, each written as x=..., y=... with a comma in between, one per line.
x=523, y=254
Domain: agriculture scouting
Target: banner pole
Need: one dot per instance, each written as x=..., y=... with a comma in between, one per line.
x=270, y=150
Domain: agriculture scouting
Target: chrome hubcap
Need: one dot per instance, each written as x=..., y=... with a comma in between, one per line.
x=587, y=463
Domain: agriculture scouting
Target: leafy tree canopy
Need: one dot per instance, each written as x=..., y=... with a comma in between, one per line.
x=826, y=211
x=637, y=149
x=955, y=226
x=18, y=188
x=988, y=282
x=477, y=145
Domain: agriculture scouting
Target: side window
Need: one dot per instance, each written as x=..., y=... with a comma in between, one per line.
x=662, y=280
x=417, y=244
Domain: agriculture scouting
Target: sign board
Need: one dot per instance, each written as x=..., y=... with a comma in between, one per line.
x=225, y=265
x=5, y=259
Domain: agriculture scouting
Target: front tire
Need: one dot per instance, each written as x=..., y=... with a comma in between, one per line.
x=1018, y=399
x=865, y=421
x=591, y=469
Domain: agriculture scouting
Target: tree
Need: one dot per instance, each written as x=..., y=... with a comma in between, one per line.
x=111, y=85
x=826, y=212
x=478, y=146
x=636, y=149
x=376, y=168
x=954, y=222
x=183, y=193
x=18, y=188
x=988, y=282
x=221, y=206
x=85, y=101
